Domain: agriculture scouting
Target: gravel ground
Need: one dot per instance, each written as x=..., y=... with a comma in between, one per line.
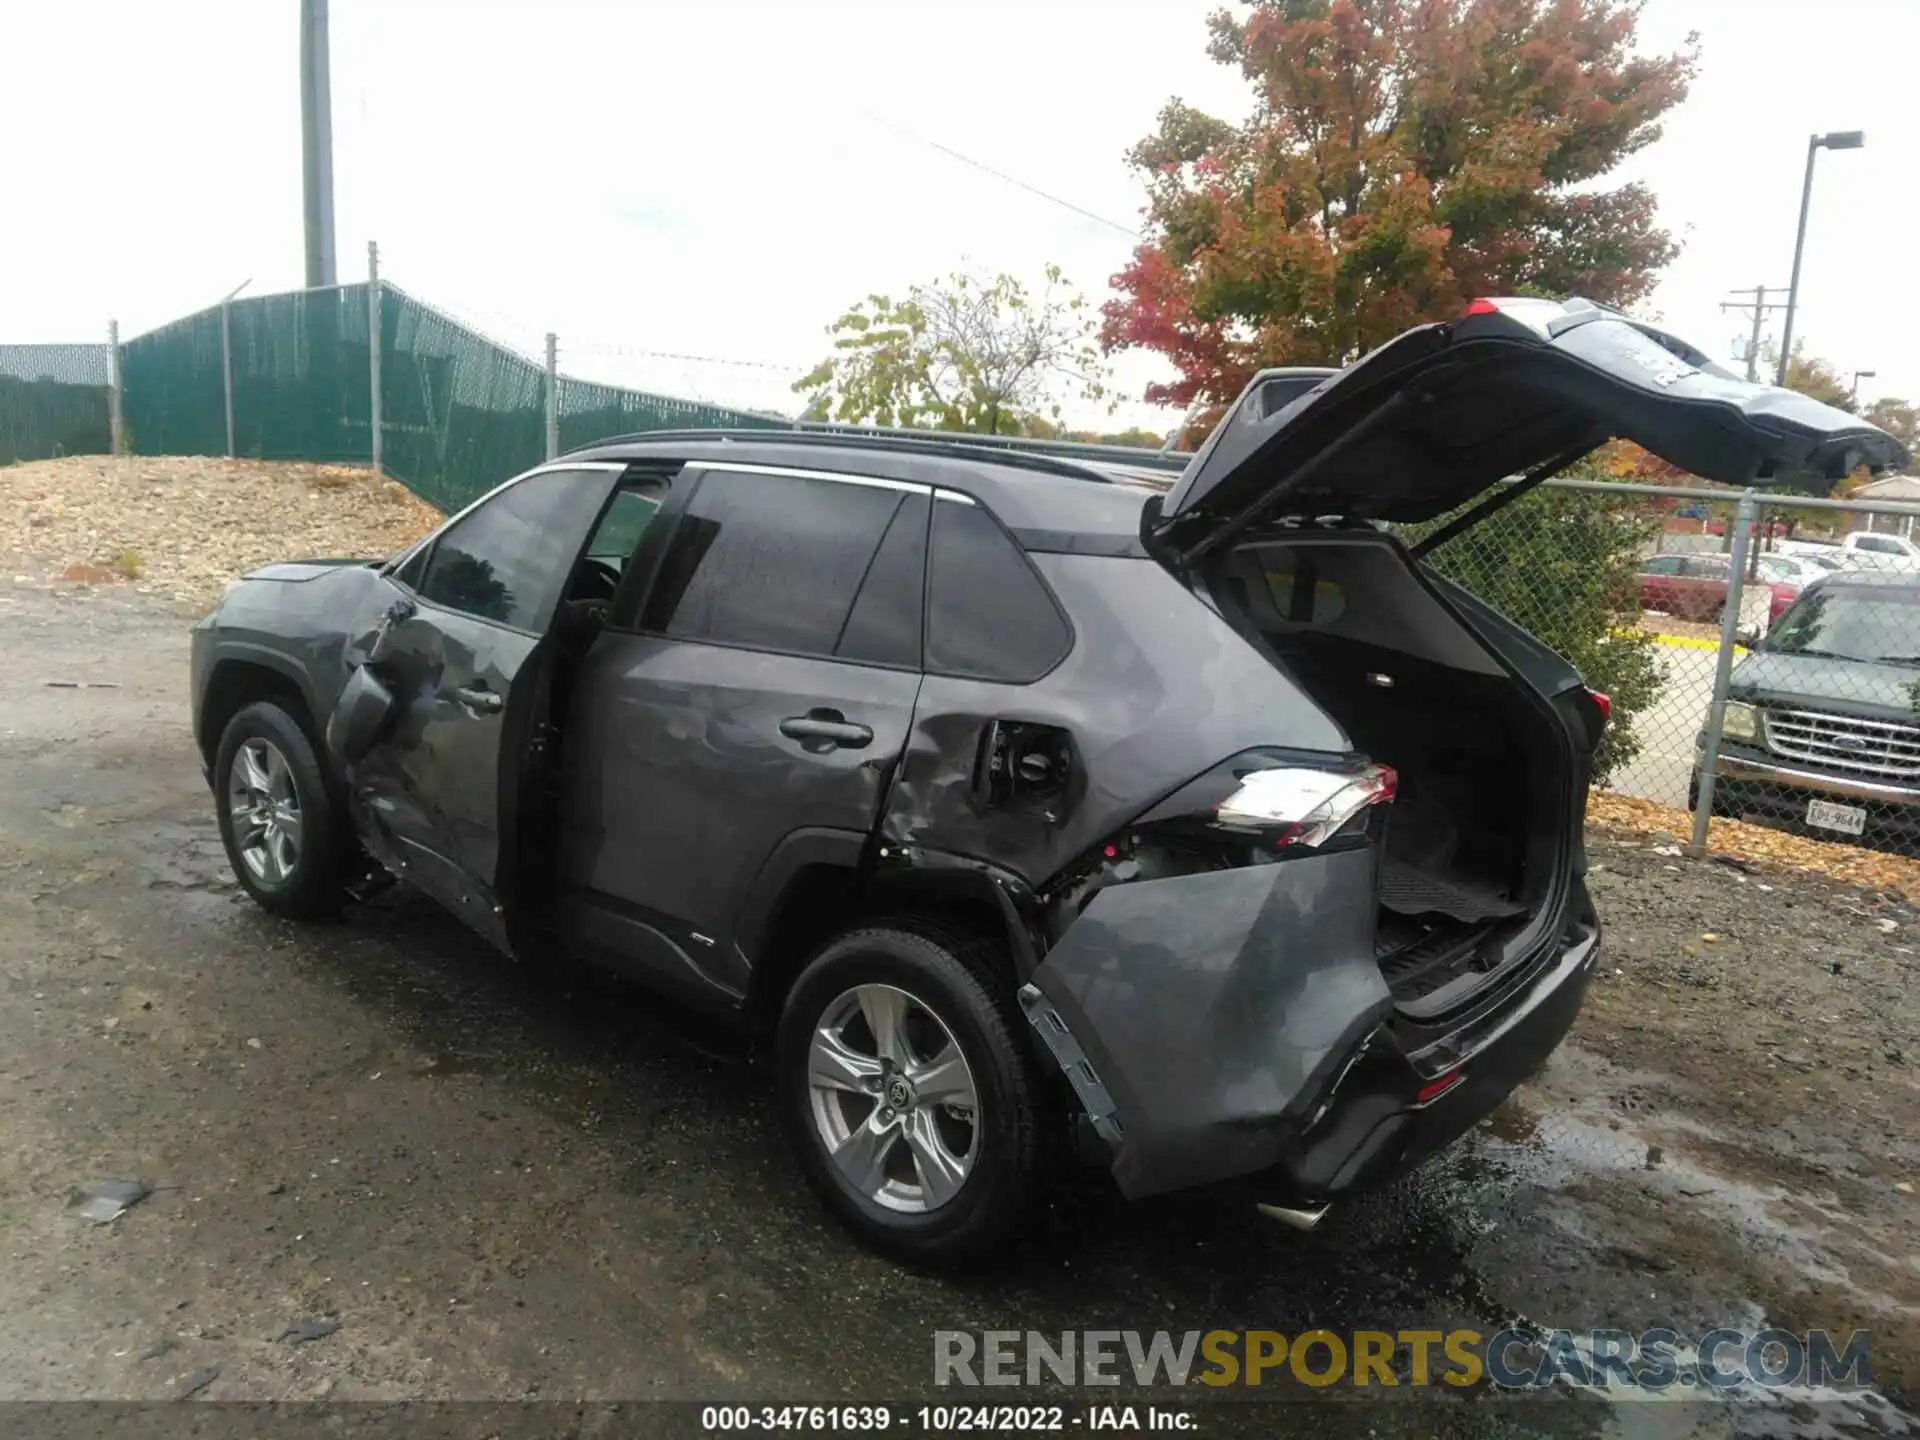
x=501, y=1190
x=181, y=527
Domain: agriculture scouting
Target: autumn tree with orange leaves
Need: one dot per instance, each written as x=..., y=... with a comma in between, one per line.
x=1402, y=156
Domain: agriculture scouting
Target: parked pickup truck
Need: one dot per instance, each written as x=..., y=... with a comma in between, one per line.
x=1821, y=725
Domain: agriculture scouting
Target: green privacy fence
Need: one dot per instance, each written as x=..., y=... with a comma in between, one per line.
x=459, y=412
x=171, y=388
x=299, y=377
x=53, y=401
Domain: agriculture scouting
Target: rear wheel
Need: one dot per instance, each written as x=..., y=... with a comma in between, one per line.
x=909, y=1091
x=283, y=836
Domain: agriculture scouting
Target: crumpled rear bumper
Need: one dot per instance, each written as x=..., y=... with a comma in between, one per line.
x=1235, y=1023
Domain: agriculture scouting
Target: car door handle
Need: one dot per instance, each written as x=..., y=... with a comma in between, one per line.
x=826, y=729
x=478, y=697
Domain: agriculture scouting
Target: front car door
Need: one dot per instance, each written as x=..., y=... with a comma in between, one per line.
x=436, y=799
x=758, y=696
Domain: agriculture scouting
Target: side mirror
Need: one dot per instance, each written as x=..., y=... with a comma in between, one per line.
x=1747, y=635
x=359, y=716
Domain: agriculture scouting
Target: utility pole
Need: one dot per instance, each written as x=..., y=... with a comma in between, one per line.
x=1759, y=305
x=316, y=135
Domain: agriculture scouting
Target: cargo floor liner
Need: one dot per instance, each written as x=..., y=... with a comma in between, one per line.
x=1409, y=890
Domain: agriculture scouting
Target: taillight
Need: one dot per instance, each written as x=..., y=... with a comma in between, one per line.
x=1434, y=1089
x=1597, y=711
x=1483, y=306
x=1260, y=807
x=1299, y=806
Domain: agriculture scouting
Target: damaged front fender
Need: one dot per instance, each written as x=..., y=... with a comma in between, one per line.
x=1216, y=1011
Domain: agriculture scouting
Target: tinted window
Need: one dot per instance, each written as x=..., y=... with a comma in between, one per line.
x=1662, y=565
x=1708, y=566
x=1852, y=623
x=884, y=625
x=507, y=560
x=770, y=561
x=1879, y=547
x=409, y=574
x=990, y=616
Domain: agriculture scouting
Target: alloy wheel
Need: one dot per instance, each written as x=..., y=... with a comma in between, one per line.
x=264, y=806
x=893, y=1099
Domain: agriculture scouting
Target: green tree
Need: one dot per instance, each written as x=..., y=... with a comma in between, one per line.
x=1401, y=157
x=1562, y=564
x=1899, y=419
x=1811, y=375
x=963, y=353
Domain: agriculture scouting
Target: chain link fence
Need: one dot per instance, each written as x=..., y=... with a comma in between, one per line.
x=1816, y=728
x=53, y=401
x=1770, y=642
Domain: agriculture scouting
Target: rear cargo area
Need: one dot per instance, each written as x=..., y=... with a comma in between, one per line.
x=1478, y=829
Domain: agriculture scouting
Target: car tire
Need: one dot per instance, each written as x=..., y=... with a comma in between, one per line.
x=903, y=1193
x=1725, y=806
x=284, y=835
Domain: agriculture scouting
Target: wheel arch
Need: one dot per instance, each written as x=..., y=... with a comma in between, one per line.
x=819, y=883
x=243, y=675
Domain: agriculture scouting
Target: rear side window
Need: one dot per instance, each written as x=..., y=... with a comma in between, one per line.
x=1878, y=546
x=990, y=616
x=1662, y=565
x=884, y=625
x=772, y=562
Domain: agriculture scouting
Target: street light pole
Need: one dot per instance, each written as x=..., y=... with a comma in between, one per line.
x=1858, y=376
x=1832, y=140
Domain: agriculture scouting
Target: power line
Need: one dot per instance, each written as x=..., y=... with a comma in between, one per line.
x=589, y=348
x=1003, y=176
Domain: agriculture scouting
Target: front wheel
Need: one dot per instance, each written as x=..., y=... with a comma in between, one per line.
x=283, y=836
x=908, y=1088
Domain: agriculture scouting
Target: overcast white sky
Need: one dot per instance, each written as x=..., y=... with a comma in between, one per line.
x=721, y=179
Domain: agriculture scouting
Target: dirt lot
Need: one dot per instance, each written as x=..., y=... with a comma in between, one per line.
x=501, y=1190
x=180, y=527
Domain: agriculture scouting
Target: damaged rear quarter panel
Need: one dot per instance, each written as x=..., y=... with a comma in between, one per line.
x=1217, y=1008
x=1154, y=691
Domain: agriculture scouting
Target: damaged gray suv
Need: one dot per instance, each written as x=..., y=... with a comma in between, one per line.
x=1021, y=804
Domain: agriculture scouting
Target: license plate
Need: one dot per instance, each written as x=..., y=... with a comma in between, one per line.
x=1847, y=819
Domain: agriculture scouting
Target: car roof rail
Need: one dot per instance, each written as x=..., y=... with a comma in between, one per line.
x=1055, y=455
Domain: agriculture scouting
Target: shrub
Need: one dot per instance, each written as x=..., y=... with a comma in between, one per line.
x=1561, y=563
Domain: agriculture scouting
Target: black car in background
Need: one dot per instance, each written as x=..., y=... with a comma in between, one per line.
x=1013, y=801
x=1822, y=725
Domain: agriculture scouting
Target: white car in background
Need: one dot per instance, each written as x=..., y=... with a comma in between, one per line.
x=1861, y=550
x=1879, y=550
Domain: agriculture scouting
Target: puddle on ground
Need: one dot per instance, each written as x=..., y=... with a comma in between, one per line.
x=1584, y=1145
